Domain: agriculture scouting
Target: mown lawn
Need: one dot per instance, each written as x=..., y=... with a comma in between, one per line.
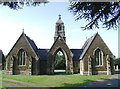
x=56, y=80
x=0, y=78
x=59, y=71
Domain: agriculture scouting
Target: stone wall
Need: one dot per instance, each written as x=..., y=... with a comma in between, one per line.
x=97, y=43
x=43, y=67
x=76, y=66
x=31, y=59
x=59, y=45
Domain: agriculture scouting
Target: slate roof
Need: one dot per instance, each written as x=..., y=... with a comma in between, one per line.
x=87, y=45
x=76, y=53
x=42, y=53
x=33, y=45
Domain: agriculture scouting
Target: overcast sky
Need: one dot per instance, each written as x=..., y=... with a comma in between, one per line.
x=39, y=25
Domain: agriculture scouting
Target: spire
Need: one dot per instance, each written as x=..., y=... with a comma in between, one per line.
x=59, y=20
x=59, y=29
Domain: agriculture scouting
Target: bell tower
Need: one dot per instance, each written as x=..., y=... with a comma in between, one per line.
x=59, y=29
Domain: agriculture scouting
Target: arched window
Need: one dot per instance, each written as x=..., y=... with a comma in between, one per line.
x=59, y=27
x=98, y=57
x=21, y=57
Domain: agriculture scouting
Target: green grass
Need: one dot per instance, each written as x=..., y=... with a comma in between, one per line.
x=117, y=70
x=3, y=85
x=6, y=81
x=56, y=80
x=59, y=70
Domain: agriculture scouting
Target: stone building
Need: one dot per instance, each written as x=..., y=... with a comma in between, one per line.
x=2, y=60
x=26, y=58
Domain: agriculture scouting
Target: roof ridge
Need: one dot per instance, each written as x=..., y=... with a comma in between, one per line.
x=87, y=44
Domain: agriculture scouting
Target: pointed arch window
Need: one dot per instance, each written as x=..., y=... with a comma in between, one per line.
x=21, y=57
x=98, y=57
x=59, y=27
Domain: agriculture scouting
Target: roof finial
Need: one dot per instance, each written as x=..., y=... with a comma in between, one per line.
x=59, y=16
x=23, y=30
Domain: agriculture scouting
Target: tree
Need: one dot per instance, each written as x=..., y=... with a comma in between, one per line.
x=18, y=4
x=95, y=12
x=60, y=62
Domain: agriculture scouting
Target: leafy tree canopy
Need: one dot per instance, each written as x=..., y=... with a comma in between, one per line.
x=18, y=4
x=117, y=61
x=60, y=62
x=95, y=12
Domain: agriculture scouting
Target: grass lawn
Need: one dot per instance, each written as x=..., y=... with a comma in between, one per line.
x=117, y=70
x=0, y=78
x=59, y=70
x=56, y=80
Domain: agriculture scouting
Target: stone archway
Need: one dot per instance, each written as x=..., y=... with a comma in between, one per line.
x=51, y=60
x=62, y=61
x=59, y=44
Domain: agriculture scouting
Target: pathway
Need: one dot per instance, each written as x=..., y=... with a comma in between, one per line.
x=113, y=81
x=19, y=83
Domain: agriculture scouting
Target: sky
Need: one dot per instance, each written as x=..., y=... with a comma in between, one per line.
x=39, y=24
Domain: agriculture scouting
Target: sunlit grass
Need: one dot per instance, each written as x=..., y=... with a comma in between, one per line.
x=59, y=70
x=56, y=80
x=6, y=81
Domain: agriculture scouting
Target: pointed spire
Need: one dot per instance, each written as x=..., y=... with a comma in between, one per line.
x=59, y=29
x=59, y=20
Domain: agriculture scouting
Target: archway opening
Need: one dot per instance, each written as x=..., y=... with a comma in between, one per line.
x=60, y=63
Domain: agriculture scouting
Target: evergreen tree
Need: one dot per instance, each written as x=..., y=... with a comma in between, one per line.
x=108, y=13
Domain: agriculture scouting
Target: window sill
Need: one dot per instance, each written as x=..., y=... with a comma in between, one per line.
x=21, y=65
x=99, y=66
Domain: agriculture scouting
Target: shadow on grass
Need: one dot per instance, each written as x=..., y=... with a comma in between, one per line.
x=71, y=86
x=65, y=86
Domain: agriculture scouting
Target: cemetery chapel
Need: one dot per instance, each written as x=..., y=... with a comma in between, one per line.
x=94, y=58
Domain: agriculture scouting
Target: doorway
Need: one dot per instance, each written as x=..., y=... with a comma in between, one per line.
x=60, y=63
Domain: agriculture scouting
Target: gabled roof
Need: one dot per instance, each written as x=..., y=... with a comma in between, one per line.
x=42, y=53
x=76, y=53
x=87, y=45
x=59, y=37
x=15, y=44
x=32, y=44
